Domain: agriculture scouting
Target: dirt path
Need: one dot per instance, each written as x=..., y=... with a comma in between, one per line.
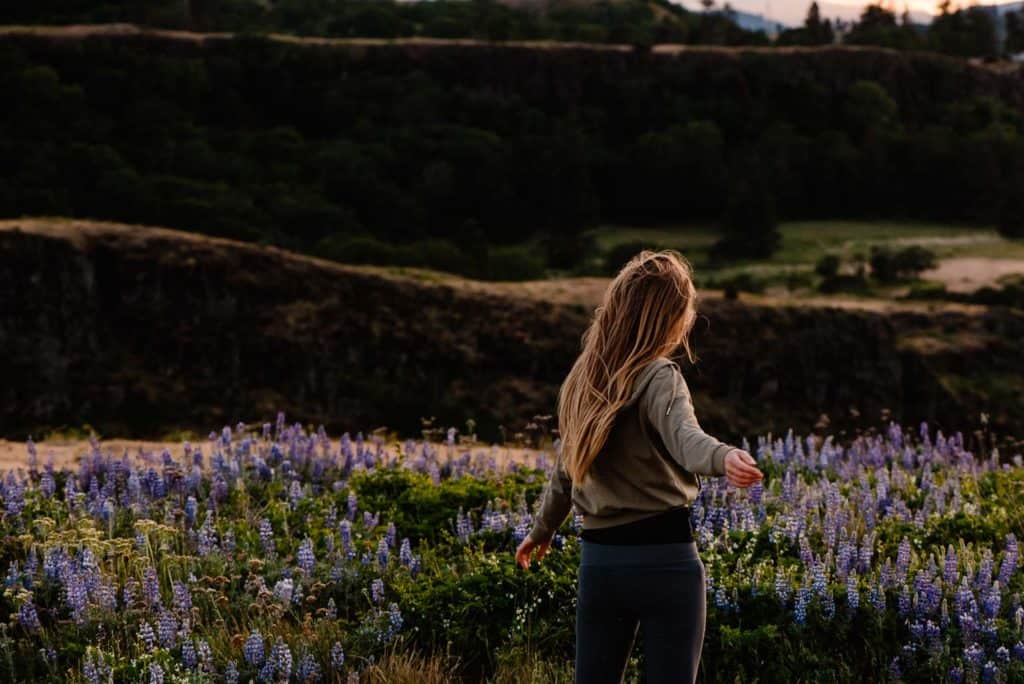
x=967, y=274
x=66, y=453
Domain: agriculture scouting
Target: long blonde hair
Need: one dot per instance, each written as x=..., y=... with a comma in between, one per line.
x=648, y=311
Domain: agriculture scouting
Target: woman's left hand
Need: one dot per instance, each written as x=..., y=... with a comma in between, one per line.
x=741, y=469
x=526, y=548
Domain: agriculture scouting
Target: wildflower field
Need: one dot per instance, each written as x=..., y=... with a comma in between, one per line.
x=275, y=554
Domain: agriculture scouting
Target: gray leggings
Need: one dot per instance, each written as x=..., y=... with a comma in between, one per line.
x=658, y=588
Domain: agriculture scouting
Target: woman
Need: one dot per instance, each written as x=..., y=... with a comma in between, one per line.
x=630, y=460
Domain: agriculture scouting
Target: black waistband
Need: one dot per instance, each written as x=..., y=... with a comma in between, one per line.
x=672, y=526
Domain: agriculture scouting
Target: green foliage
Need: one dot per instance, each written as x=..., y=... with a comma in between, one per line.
x=407, y=161
x=813, y=32
x=889, y=267
x=878, y=26
x=424, y=510
x=967, y=32
x=1011, y=214
x=617, y=257
x=749, y=224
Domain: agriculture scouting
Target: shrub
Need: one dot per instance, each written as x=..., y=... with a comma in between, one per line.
x=617, y=257
x=748, y=225
x=1011, y=215
x=890, y=267
x=513, y=263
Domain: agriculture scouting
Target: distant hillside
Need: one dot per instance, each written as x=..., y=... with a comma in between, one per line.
x=138, y=330
x=490, y=159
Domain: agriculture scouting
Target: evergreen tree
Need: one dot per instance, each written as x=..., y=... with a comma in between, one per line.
x=1014, y=32
x=749, y=227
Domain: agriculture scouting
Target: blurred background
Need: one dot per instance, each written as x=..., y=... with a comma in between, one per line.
x=401, y=214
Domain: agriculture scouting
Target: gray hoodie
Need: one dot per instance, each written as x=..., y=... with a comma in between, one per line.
x=649, y=463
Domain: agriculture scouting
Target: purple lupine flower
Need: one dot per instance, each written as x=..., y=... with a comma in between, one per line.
x=28, y=617
x=307, y=670
x=283, y=589
x=382, y=552
x=903, y=558
x=47, y=484
x=352, y=506
x=156, y=674
x=147, y=635
x=337, y=656
x=219, y=490
x=394, y=621
x=295, y=493
x=405, y=552
x=150, y=587
x=205, y=656
x=167, y=628
x=1009, y=564
x=782, y=588
x=254, y=649
x=13, y=577
x=227, y=542
x=305, y=556
x=345, y=532
x=89, y=670
x=182, y=596
x=521, y=529
x=377, y=590
x=991, y=601
x=190, y=510
x=463, y=527
x=267, y=537
x=852, y=592
x=973, y=655
x=188, y=655
x=895, y=674
x=206, y=538
x=281, y=656
x=389, y=536
x=950, y=570
x=231, y=673
x=904, y=601
x=370, y=520
x=331, y=612
x=77, y=595
x=803, y=596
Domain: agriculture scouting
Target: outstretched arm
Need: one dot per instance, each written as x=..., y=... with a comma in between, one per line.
x=669, y=409
x=554, y=506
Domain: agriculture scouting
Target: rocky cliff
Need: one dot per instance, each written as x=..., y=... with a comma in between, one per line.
x=139, y=330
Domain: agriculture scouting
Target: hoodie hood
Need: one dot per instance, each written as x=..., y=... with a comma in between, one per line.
x=644, y=377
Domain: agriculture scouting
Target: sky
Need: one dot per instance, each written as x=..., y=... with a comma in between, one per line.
x=793, y=11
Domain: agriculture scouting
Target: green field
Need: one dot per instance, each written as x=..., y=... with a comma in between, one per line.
x=805, y=242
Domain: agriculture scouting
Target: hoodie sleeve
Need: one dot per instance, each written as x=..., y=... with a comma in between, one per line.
x=554, y=506
x=669, y=408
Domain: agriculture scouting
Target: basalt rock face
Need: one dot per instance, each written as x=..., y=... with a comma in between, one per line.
x=139, y=331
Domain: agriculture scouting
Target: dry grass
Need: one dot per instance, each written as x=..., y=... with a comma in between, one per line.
x=411, y=668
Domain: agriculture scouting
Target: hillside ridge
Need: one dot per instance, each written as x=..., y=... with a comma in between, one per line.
x=140, y=331
x=76, y=32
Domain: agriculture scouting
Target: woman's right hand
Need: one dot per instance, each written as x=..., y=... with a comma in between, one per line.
x=526, y=548
x=741, y=469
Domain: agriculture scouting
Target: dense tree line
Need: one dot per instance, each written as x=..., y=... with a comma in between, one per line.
x=458, y=155
x=637, y=22
x=970, y=30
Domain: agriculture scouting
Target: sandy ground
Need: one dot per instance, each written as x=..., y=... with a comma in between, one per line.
x=67, y=453
x=967, y=274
